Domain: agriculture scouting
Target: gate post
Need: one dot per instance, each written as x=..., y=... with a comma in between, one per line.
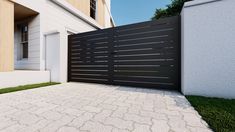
x=69, y=57
x=179, y=53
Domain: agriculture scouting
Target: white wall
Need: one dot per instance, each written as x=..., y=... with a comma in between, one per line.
x=16, y=78
x=54, y=18
x=208, y=48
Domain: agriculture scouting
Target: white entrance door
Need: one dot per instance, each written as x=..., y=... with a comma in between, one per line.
x=53, y=56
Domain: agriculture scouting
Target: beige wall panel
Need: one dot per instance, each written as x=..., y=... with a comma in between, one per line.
x=6, y=36
x=100, y=13
x=84, y=6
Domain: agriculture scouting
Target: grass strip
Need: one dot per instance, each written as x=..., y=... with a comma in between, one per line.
x=26, y=87
x=218, y=113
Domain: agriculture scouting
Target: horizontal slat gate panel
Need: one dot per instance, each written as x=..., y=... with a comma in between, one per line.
x=159, y=36
x=144, y=84
x=95, y=67
x=153, y=45
x=90, y=72
x=144, y=67
x=145, y=29
x=142, y=41
x=94, y=76
x=144, y=51
x=153, y=62
x=144, y=73
x=89, y=80
x=89, y=46
x=145, y=79
x=141, y=55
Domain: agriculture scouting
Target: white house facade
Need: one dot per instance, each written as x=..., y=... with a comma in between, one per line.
x=41, y=29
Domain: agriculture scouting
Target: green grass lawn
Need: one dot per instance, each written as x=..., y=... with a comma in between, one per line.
x=218, y=113
x=25, y=87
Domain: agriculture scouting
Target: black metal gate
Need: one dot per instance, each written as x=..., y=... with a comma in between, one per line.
x=141, y=55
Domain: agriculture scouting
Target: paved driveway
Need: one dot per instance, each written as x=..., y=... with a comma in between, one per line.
x=79, y=107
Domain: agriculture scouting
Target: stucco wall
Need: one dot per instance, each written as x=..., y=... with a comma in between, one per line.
x=208, y=48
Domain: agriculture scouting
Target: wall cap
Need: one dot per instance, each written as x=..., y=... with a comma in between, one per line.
x=199, y=2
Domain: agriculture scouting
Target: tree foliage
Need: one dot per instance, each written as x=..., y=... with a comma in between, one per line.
x=172, y=9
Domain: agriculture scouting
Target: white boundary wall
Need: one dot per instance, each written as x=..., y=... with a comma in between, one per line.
x=16, y=78
x=208, y=48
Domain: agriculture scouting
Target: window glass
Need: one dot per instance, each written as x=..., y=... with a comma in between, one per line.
x=24, y=41
x=93, y=9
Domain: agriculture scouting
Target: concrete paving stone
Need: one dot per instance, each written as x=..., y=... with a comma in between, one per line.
x=122, y=104
x=68, y=129
x=154, y=115
x=103, y=115
x=96, y=127
x=134, y=109
x=148, y=108
x=35, y=127
x=6, y=122
x=25, y=118
x=199, y=129
x=110, y=100
x=54, y=126
x=107, y=106
x=168, y=112
x=141, y=128
x=119, y=123
x=119, y=113
x=193, y=120
x=122, y=98
x=73, y=112
x=24, y=106
x=160, y=126
x=177, y=124
x=119, y=130
x=138, y=119
x=13, y=128
x=79, y=121
x=91, y=109
x=81, y=107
